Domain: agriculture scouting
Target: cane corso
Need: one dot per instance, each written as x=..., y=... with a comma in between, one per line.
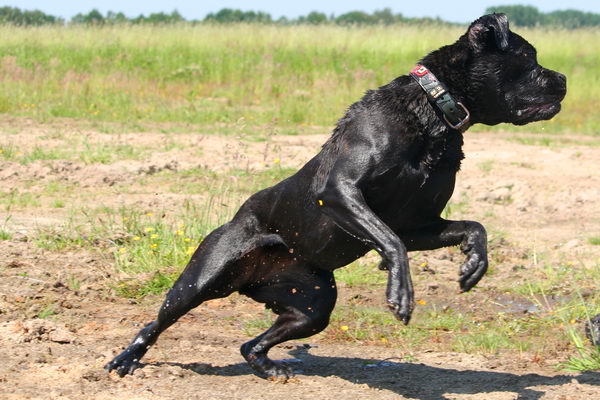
x=379, y=183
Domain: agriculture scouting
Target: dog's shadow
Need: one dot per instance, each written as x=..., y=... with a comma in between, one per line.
x=411, y=380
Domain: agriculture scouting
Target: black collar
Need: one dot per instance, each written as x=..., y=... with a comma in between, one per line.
x=455, y=113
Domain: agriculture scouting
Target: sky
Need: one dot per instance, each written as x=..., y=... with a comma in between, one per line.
x=455, y=11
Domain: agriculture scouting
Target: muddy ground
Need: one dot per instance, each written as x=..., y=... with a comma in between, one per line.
x=539, y=199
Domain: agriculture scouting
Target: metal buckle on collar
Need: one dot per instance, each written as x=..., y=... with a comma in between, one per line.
x=461, y=123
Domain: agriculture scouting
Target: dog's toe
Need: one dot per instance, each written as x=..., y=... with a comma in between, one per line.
x=123, y=364
x=402, y=313
x=280, y=370
x=471, y=273
x=270, y=369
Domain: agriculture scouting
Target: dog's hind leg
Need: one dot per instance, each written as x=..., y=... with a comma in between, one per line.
x=220, y=266
x=303, y=297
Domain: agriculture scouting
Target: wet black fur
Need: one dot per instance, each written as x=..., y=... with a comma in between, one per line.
x=380, y=182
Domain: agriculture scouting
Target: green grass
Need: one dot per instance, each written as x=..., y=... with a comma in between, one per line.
x=149, y=247
x=461, y=332
x=549, y=278
x=78, y=150
x=577, y=312
x=457, y=209
x=486, y=166
x=58, y=203
x=247, y=74
x=553, y=141
x=564, y=315
x=5, y=235
x=369, y=324
x=47, y=311
x=361, y=272
x=256, y=325
x=108, y=153
x=231, y=182
x=587, y=359
x=15, y=198
x=552, y=280
x=594, y=240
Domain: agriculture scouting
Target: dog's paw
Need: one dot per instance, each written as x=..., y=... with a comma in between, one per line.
x=124, y=364
x=402, y=311
x=271, y=370
x=278, y=371
x=472, y=271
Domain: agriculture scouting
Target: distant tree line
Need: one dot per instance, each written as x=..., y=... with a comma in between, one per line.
x=530, y=16
x=518, y=14
x=226, y=15
x=16, y=16
x=385, y=17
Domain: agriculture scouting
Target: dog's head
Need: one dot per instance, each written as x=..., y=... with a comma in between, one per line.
x=500, y=77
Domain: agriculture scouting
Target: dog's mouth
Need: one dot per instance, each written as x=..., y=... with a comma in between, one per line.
x=538, y=112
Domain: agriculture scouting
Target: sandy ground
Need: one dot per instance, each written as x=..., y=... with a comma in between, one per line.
x=540, y=199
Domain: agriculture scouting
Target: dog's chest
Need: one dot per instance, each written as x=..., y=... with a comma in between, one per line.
x=427, y=185
x=412, y=190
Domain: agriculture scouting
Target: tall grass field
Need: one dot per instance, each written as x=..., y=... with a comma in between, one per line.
x=257, y=74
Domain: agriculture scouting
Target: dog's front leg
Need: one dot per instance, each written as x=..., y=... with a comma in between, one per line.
x=344, y=203
x=469, y=235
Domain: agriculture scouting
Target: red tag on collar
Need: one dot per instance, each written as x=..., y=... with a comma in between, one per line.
x=420, y=70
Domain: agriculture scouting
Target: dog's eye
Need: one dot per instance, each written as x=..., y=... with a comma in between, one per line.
x=525, y=54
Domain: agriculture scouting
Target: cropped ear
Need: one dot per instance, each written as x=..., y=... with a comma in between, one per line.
x=489, y=30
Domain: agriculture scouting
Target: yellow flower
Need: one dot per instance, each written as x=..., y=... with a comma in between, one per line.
x=572, y=321
x=149, y=229
x=384, y=340
x=149, y=214
x=187, y=240
x=153, y=245
x=190, y=250
x=344, y=328
x=153, y=236
x=179, y=232
x=421, y=302
x=277, y=160
x=122, y=250
x=424, y=264
x=125, y=219
x=136, y=238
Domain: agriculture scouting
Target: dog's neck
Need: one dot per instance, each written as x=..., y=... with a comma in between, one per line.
x=454, y=113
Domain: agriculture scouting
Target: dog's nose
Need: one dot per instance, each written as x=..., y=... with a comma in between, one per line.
x=561, y=77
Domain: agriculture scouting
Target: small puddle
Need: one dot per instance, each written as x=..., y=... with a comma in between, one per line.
x=512, y=305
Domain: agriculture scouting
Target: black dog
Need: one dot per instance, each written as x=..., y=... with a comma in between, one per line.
x=380, y=182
